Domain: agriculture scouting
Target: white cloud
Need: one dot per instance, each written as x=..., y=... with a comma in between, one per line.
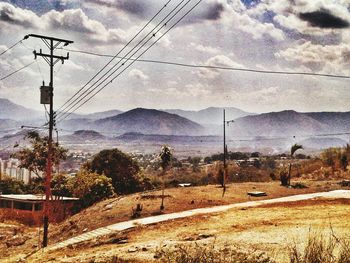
x=237, y=17
x=73, y=20
x=325, y=58
x=3, y=48
x=19, y=17
x=138, y=74
x=204, y=49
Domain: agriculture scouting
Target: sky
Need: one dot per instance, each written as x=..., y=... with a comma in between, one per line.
x=277, y=35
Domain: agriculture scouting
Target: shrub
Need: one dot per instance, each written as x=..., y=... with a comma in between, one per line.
x=9, y=185
x=284, y=177
x=199, y=253
x=118, y=166
x=60, y=185
x=322, y=249
x=90, y=187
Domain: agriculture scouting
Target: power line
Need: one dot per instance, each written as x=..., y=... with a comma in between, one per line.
x=14, y=72
x=11, y=47
x=150, y=33
x=115, y=56
x=216, y=67
x=186, y=13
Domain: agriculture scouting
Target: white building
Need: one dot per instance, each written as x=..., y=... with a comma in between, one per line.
x=11, y=168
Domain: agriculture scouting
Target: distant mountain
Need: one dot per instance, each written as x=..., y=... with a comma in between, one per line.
x=13, y=111
x=76, y=124
x=83, y=135
x=149, y=121
x=291, y=123
x=7, y=124
x=103, y=114
x=335, y=121
x=136, y=136
x=322, y=143
x=212, y=115
x=96, y=115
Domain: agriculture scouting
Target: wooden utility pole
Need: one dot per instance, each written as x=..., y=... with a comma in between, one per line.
x=52, y=43
x=225, y=152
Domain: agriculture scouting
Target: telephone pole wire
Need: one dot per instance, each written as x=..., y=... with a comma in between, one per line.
x=52, y=43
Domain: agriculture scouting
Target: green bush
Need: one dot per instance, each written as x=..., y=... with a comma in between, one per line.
x=120, y=167
x=90, y=187
x=60, y=185
x=9, y=185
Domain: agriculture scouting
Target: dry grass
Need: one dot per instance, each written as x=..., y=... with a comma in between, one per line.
x=245, y=221
x=202, y=253
x=322, y=248
x=270, y=229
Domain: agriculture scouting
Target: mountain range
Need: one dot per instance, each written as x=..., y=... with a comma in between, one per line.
x=176, y=122
x=291, y=123
x=10, y=110
x=149, y=121
x=211, y=115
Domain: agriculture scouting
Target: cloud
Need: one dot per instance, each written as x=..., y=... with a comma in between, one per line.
x=325, y=58
x=3, y=48
x=324, y=19
x=73, y=20
x=207, y=10
x=204, y=49
x=138, y=74
x=238, y=17
x=77, y=21
x=307, y=17
x=17, y=16
x=219, y=61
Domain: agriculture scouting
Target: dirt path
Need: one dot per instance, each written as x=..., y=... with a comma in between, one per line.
x=161, y=218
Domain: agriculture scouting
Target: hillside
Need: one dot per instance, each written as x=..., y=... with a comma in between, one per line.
x=211, y=115
x=335, y=121
x=13, y=111
x=290, y=123
x=83, y=135
x=149, y=121
x=103, y=114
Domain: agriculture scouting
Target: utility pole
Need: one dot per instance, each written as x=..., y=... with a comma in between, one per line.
x=52, y=43
x=225, y=152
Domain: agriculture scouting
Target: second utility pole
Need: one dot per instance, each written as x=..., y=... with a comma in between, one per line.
x=52, y=43
x=225, y=152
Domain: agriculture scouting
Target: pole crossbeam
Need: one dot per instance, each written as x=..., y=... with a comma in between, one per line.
x=52, y=43
x=62, y=58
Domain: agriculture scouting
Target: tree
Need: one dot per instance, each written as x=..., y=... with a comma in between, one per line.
x=329, y=157
x=90, y=187
x=9, y=185
x=195, y=162
x=344, y=161
x=293, y=149
x=35, y=158
x=60, y=185
x=120, y=167
x=165, y=157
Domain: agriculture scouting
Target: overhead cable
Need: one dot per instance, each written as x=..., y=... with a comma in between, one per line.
x=151, y=33
x=14, y=72
x=217, y=67
x=11, y=47
x=109, y=82
x=115, y=56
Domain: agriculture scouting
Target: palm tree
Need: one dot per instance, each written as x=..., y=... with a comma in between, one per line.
x=293, y=149
x=165, y=156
